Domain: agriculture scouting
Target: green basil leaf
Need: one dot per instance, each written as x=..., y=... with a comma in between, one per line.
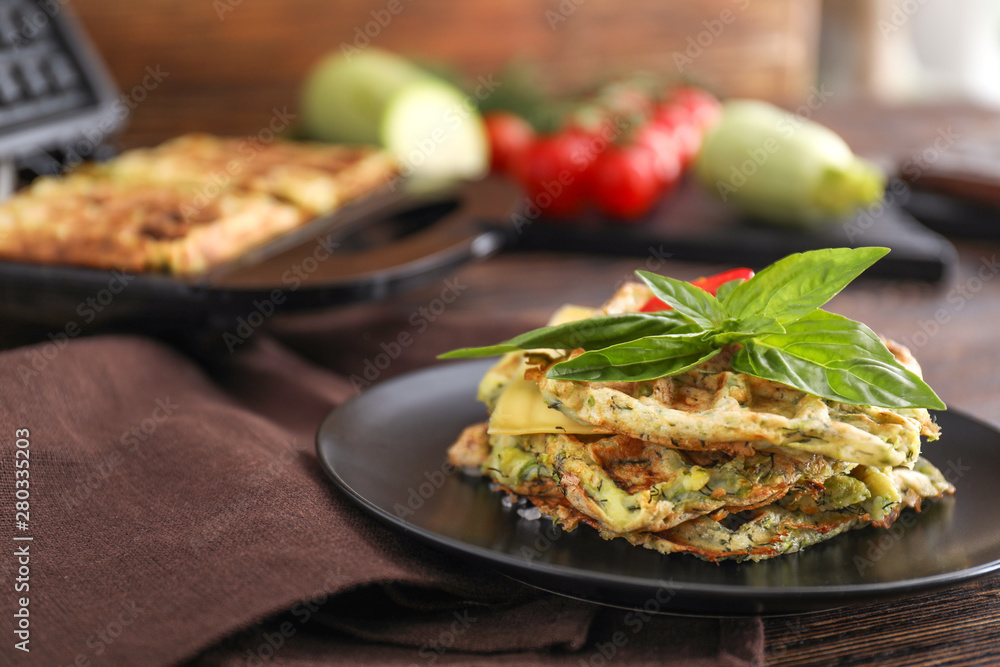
x=693, y=302
x=592, y=333
x=644, y=359
x=836, y=358
x=737, y=331
x=762, y=325
x=725, y=288
x=798, y=284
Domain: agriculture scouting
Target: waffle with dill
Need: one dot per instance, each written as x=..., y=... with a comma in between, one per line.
x=711, y=462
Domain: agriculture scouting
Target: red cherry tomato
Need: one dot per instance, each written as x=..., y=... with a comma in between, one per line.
x=703, y=108
x=710, y=284
x=552, y=171
x=509, y=136
x=678, y=122
x=666, y=154
x=585, y=147
x=625, y=182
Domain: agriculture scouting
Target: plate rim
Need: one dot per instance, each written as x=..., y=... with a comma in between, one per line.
x=834, y=594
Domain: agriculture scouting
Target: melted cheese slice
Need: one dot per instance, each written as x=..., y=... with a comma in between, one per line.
x=521, y=410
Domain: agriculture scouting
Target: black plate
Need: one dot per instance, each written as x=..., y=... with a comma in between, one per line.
x=389, y=241
x=386, y=449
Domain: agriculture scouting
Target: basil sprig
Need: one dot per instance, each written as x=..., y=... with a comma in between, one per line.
x=644, y=359
x=593, y=333
x=776, y=318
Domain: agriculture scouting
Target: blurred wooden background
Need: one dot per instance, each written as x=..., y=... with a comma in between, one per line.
x=230, y=62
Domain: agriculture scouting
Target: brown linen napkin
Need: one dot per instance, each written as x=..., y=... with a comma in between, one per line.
x=178, y=513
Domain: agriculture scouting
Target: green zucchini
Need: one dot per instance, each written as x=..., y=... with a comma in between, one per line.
x=783, y=168
x=376, y=97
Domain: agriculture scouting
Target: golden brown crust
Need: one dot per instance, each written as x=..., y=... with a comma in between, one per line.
x=184, y=207
x=472, y=448
x=314, y=177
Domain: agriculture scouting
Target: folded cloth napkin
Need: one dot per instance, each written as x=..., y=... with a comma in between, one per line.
x=178, y=515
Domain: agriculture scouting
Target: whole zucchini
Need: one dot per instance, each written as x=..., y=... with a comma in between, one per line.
x=783, y=168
